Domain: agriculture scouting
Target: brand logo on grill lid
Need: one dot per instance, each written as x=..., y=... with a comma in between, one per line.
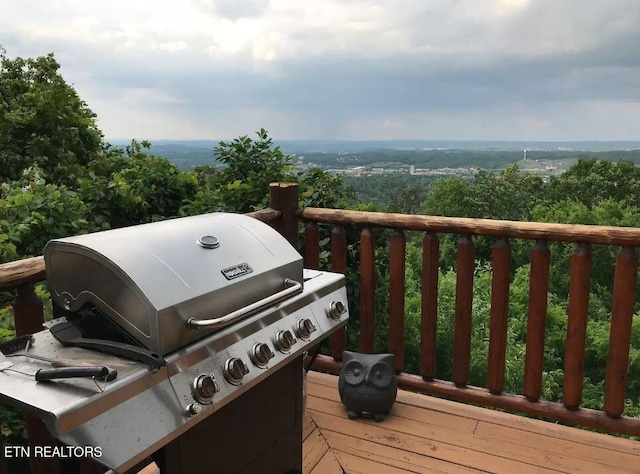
x=237, y=271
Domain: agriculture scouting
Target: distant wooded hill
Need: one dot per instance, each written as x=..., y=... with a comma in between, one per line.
x=430, y=155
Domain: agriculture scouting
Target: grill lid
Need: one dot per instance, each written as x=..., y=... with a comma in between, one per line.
x=151, y=279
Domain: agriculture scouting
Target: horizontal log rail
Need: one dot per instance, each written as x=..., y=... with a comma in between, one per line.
x=22, y=272
x=593, y=234
x=584, y=236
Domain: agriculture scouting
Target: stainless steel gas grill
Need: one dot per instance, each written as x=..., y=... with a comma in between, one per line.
x=181, y=340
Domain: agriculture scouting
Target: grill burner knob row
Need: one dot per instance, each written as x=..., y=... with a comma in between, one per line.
x=261, y=354
x=304, y=328
x=235, y=370
x=204, y=388
x=284, y=341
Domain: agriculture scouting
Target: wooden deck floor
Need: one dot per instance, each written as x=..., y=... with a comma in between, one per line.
x=425, y=434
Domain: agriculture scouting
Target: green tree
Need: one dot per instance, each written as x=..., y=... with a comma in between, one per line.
x=608, y=212
x=394, y=192
x=129, y=187
x=242, y=184
x=452, y=197
x=406, y=200
x=33, y=211
x=590, y=181
x=509, y=195
x=319, y=188
x=43, y=121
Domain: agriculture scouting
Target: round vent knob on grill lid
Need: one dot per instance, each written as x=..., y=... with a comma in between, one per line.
x=209, y=242
x=235, y=370
x=284, y=341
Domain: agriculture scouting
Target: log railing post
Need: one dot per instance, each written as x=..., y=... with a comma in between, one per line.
x=28, y=311
x=536, y=320
x=577, y=326
x=283, y=197
x=624, y=288
x=29, y=316
x=464, y=308
x=397, y=251
x=367, y=291
x=429, y=309
x=501, y=263
x=312, y=246
x=338, y=265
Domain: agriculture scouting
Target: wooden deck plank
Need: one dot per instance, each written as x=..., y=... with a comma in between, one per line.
x=150, y=469
x=461, y=436
x=522, y=423
x=381, y=433
x=383, y=454
x=313, y=449
x=563, y=461
x=328, y=465
x=356, y=465
x=544, y=428
x=601, y=456
x=308, y=426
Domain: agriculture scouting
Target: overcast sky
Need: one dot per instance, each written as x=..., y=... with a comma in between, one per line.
x=338, y=69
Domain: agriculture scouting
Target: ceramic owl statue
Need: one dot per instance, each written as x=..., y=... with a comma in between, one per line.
x=367, y=384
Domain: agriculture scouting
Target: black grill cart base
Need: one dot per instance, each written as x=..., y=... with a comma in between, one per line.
x=259, y=432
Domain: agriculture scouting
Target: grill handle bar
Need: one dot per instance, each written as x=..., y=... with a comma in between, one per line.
x=292, y=288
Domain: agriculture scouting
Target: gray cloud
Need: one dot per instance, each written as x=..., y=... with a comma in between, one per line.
x=448, y=69
x=232, y=9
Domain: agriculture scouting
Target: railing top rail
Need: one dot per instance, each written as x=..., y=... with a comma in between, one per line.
x=623, y=236
x=21, y=272
x=32, y=270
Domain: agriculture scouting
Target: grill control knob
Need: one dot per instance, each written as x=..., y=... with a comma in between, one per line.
x=261, y=353
x=204, y=388
x=304, y=328
x=284, y=341
x=337, y=309
x=235, y=370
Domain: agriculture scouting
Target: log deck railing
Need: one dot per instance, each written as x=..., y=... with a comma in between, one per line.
x=285, y=216
x=529, y=402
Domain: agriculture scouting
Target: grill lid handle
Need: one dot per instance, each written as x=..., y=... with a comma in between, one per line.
x=292, y=288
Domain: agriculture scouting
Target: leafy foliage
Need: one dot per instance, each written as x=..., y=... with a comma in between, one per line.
x=132, y=187
x=241, y=185
x=393, y=192
x=43, y=121
x=592, y=181
x=32, y=211
x=321, y=189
